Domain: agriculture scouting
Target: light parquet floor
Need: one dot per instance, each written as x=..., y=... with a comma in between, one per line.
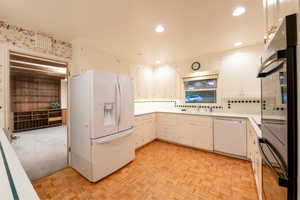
x=161, y=171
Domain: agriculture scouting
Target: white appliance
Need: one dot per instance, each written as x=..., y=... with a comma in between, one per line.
x=102, y=116
x=230, y=136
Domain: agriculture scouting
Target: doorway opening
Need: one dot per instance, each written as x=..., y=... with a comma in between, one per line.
x=38, y=113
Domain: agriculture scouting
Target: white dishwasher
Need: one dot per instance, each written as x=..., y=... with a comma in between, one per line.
x=230, y=136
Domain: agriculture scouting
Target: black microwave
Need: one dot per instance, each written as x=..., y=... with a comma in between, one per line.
x=278, y=145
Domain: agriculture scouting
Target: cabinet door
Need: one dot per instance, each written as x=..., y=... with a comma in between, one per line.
x=249, y=140
x=275, y=11
x=287, y=7
x=144, y=129
x=258, y=169
x=167, y=127
x=149, y=131
x=259, y=176
x=196, y=131
x=272, y=13
x=138, y=130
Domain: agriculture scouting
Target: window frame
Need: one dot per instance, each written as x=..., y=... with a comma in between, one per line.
x=201, y=76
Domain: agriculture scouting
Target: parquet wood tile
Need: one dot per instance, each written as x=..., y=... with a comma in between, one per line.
x=161, y=171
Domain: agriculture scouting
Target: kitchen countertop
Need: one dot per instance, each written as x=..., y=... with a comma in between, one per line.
x=19, y=179
x=254, y=119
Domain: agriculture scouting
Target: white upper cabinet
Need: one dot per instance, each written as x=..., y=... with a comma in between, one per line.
x=275, y=11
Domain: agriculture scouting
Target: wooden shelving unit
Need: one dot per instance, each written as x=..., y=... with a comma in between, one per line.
x=33, y=88
x=31, y=92
x=30, y=120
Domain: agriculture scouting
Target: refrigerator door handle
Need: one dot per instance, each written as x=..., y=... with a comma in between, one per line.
x=113, y=137
x=119, y=102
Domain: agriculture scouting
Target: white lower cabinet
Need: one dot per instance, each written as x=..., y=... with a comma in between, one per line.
x=254, y=156
x=166, y=127
x=196, y=131
x=144, y=130
x=188, y=130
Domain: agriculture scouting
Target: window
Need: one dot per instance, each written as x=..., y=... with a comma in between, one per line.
x=283, y=87
x=201, y=90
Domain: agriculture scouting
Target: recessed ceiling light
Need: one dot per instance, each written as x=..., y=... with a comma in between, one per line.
x=239, y=11
x=159, y=28
x=238, y=44
x=158, y=62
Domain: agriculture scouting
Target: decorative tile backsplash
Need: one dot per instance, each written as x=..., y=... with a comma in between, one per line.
x=242, y=101
x=241, y=105
x=26, y=39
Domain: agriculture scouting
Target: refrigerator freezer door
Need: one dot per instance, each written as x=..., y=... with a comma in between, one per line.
x=126, y=118
x=109, y=155
x=105, y=104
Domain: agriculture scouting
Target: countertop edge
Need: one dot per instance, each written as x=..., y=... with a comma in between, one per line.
x=22, y=183
x=234, y=115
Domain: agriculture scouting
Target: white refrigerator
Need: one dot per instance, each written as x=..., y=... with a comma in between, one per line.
x=101, y=118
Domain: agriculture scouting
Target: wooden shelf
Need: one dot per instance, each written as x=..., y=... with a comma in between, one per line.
x=37, y=119
x=30, y=93
x=33, y=95
x=37, y=88
x=32, y=101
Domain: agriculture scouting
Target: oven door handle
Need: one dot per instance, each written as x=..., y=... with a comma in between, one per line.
x=281, y=176
x=272, y=64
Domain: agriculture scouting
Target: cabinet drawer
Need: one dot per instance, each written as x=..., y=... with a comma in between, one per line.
x=199, y=121
x=145, y=119
x=166, y=121
x=167, y=133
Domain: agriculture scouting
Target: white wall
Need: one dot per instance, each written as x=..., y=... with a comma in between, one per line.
x=64, y=93
x=143, y=81
x=86, y=56
x=2, y=86
x=238, y=69
x=237, y=73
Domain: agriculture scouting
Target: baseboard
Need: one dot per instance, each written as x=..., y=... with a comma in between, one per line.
x=210, y=151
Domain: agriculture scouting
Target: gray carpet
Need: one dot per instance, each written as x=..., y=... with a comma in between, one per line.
x=42, y=151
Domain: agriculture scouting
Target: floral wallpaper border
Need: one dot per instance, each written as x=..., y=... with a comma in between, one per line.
x=25, y=39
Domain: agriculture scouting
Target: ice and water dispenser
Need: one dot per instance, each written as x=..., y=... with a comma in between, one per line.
x=109, y=114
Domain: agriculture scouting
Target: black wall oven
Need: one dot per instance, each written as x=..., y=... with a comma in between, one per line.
x=278, y=144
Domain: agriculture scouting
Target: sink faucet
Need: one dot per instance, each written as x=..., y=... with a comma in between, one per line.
x=210, y=109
